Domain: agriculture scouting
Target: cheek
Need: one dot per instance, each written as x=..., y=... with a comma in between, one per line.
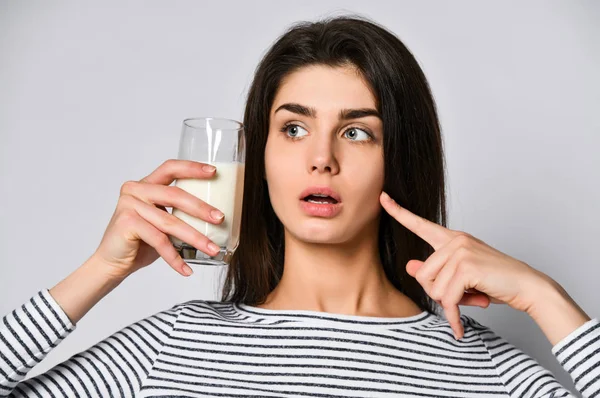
x=367, y=182
x=276, y=162
x=281, y=174
x=270, y=158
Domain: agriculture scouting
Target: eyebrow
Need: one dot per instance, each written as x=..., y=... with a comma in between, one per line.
x=345, y=114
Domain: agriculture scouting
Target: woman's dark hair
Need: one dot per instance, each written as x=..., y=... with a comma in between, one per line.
x=412, y=146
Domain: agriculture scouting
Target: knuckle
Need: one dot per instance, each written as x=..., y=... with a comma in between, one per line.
x=461, y=254
x=170, y=255
x=462, y=264
x=197, y=206
x=446, y=302
x=169, y=222
x=128, y=217
x=175, y=192
x=169, y=162
x=419, y=274
x=434, y=294
x=126, y=201
x=463, y=239
x=162, y=240
x=127, y=187
x=199, y=237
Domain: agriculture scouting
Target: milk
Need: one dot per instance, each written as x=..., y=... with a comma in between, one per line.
x=223, y=191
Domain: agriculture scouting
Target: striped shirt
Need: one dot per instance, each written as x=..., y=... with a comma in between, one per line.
x=204, y=348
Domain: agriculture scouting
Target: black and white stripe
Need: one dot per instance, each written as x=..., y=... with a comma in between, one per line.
x=212, y=349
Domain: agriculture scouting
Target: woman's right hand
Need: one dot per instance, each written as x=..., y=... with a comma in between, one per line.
x=137, y=233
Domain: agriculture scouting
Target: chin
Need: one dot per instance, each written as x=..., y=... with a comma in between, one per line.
x=320, y=231
x=320, y=240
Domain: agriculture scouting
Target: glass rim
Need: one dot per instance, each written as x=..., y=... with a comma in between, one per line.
x=240, y=125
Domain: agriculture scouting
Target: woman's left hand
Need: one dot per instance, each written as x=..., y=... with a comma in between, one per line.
x=463, y=270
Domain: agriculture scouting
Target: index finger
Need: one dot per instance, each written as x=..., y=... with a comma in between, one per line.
x=173, y=169
x=432, y=233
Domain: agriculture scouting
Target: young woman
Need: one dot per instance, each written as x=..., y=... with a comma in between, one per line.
x=335, y=299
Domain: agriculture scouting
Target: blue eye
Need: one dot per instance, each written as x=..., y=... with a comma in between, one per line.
x=292, y=130
x=357, y=129
x=289, y=127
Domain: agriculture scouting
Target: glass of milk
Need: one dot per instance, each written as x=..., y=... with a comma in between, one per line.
x=219, y=142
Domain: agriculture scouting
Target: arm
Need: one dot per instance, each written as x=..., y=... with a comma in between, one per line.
x=27, y=334
x=116, y=366
x=579, y=354
x=554, y=311
x=523, y=376
x=84, y=288
x=574, y=336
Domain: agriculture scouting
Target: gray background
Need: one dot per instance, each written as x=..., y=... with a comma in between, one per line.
x=94, y=95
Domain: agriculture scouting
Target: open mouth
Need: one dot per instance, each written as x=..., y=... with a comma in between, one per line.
x=320, y=199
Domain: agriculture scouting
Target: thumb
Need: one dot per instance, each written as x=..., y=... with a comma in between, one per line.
x=412, y=266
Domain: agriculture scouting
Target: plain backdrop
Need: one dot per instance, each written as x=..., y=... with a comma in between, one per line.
x=92, y=95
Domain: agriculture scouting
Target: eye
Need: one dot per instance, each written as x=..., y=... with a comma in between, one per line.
x=293, y=129
x=353, y=131
x=293, y=132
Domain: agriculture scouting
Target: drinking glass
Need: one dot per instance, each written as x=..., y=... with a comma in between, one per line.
x=219, y=142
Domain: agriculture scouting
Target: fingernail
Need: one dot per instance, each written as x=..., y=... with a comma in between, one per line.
x=208, y=168
x=187, y=270
x=216, y=214
x=214, y=248
x=387, y=197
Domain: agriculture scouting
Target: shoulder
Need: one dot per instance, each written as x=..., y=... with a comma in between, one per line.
x=522, y=373
x=206, y=304
x=500, y=350
x=484, y=333
x=473, y=324
x=204, y=308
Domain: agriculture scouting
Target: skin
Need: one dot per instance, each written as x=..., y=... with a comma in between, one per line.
x=331, y=264
x=464, y=270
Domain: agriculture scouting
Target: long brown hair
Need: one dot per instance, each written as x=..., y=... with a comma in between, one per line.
x=413, y=154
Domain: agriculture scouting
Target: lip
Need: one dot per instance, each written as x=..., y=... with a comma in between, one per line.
x=322, y=190
x=321, y=210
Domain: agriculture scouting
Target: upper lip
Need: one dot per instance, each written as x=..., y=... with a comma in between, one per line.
x=322, y=190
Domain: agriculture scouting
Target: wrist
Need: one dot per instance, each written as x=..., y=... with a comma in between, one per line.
x=109, y=273
x=555, y=312
x=543, y=291
x=82, y=289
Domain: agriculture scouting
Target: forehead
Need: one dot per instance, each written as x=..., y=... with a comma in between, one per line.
x=326, y=88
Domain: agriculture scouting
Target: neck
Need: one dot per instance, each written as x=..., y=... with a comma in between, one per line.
x=346, y=278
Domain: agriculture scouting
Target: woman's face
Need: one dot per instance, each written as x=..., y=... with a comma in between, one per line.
x=345, y=155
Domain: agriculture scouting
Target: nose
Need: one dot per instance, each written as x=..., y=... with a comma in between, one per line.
x=322, y=156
